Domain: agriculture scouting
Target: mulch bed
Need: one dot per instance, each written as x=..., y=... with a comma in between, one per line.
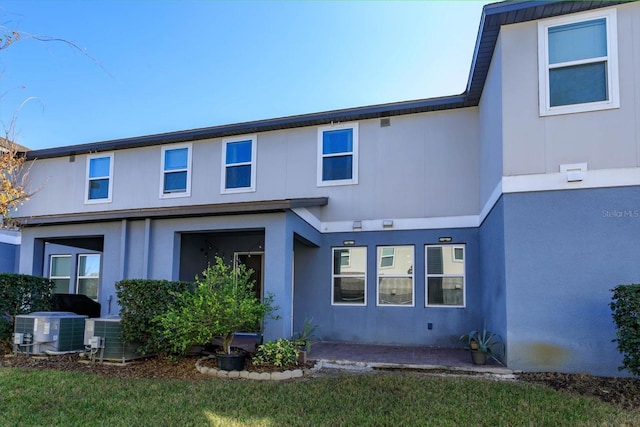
x=154, y=367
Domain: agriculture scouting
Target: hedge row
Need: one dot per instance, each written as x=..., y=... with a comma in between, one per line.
x=22, y=294
x=140, y=301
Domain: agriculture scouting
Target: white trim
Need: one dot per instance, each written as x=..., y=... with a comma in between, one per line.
x=613, y=101
x=490, y=203
x=597, y=178
x=354, y=154
x=187, y=191
x=309, y=218
x=401, y=224
x=253, y=164
x=10, y=237
x=90, y=157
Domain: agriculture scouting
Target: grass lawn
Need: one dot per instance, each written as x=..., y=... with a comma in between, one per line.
x=53, y=398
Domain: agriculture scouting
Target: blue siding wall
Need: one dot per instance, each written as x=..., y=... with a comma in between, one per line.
x=385, y=325
x=9, y=258
x=492, y=271
x=565, y=251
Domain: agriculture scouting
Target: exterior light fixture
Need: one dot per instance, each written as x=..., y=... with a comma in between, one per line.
x=387, y=223
x=575, y=172
x=348, y=242
x=357, y=225
x=444, y=239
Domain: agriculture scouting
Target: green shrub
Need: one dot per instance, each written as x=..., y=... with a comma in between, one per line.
x=281, y=353
x=140, y=301
x=223, y=302
x=626, y=314
x=21, y=294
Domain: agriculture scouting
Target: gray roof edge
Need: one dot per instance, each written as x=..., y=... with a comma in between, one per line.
x=164, y=212
x=326, y=117
x=488, y=31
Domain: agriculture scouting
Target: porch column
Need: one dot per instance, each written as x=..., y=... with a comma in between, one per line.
x=278, y=250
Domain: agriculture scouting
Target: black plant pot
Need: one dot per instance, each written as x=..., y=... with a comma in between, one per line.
x=231, y=362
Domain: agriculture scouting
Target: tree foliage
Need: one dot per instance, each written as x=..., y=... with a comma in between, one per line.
x=21, y=294
x=625, y=305
x=14, y=181
x=222, y=303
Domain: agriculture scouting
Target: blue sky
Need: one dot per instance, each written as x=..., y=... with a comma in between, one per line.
x=162, y=66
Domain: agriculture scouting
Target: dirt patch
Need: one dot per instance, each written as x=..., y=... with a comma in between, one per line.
x=622, y=392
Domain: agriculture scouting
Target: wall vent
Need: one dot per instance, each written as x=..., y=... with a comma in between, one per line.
x=385, y=122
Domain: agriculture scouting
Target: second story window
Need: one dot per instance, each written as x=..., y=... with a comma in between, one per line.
x=578, y=63
x=99, y=178
x=238, y=164
x=338, y=155
x=176, y=171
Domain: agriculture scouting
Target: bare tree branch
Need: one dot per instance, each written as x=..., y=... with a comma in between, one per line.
x=14, y=169
x=9, y=37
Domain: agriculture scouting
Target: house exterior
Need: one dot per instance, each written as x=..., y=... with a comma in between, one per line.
x=9, y=251
x=515, y=205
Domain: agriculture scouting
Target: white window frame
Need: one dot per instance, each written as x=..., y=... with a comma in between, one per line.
x=88, y=180
x=334, y=276
x=252, y=163
x=78, y=276
x=354, y=155
x=611, y=59
x=412, y=275
x=52, y=277
x=173, y=194
x=428, y=275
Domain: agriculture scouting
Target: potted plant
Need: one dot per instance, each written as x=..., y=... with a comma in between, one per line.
x=302, y=340
x=222, y=303
x=483, y=344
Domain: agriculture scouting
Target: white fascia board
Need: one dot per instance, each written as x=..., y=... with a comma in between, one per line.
x=491, y=201
x=310, y=218
x=398, y=223
x=10, y=237
x=597, y=178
